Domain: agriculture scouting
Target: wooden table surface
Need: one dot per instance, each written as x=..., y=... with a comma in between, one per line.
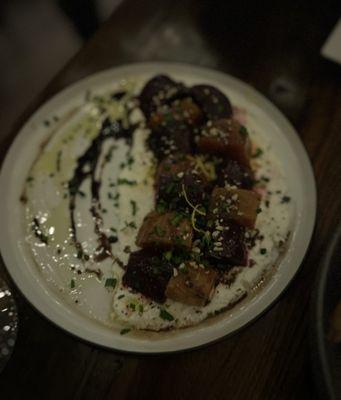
x=276, y=50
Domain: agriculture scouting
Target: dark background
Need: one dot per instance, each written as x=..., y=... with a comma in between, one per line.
x=276, y=48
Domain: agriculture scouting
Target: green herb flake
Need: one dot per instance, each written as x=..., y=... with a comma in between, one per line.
x=133, y=207
x=123, y=181
x=168, y=255
x=161, y=207
x=132, y=306
x=113, y=239
x=110, y=283
x=258, y=153
x=166, y=315
x=58, y=160
x=158, y=231
x=81, y=193
x=177, y=219
x=124, y=331
x=120, y=296
x=285, y=199
x=243, y=131
x=263, y=251
x=130, y=224
x=259, y=210
x=140, y=308
x=72, y=284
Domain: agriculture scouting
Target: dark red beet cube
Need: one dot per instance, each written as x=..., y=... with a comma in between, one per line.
x=212, y=101
x=159, y=90
x=235, y=174
x=148, y=273
x=226, y=137
x=228, y=244
x=172, y=139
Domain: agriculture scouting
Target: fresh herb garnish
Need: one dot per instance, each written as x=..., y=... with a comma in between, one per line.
x=72, y=284
x=177, y=219
x=134, y=207
x=120, y=296
x=263, y=251
x=168, y=255
x=29, y=179
x=140, y=308
x=58, y=160
x=132, y=306
x=243, y=131
x=158, y=231
x=130, y=224
x=81, y=193
x=258, y=153
x=161, y=207
x=285, y=199
x=112, y=239
x=110, y=282
x=166, y=315
x=123, y=181
x=124, y=331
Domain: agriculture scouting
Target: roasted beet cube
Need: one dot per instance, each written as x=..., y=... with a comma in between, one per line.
x=179, y=181
x=228, y=138
x=158, y=91
x=148, y=273
x=183, y=111
x=239, y=205
x=228, y=243
x=212, y=101
x=171, y=140
x=234, y=174
x=193, y=284
x=165, y=230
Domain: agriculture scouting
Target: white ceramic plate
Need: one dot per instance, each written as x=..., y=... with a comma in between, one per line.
x=286, y=145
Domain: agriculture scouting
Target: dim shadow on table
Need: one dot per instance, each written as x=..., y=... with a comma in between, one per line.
x=276, y=50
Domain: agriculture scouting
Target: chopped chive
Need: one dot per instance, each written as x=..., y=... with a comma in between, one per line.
x=132, y=306
x=72, y=284
x=258, y=153
x=158, y=231
x=124, y=331
x=243, y=131
x=133, y=206
x=130, y=224
x=113, y=239
x=110, y=282
x=120, y=296
x=29, y=179
x=81, y=193
x=285, y=199
x=177, y=219
x=58, y=160
x=166, y=315
x=140, y=308
x=123, y=181
x=161, y=207
x=263, y=251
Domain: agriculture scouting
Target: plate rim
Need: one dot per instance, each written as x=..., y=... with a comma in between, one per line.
x=137, y=68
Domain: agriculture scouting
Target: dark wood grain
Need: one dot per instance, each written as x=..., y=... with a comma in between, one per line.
x=275, y=49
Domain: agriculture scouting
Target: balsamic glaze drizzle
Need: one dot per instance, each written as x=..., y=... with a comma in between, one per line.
x=86, y=168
